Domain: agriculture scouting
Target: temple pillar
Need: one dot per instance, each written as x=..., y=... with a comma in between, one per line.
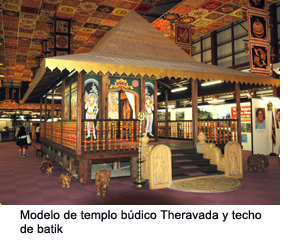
x=194, y=98
x=84, y=171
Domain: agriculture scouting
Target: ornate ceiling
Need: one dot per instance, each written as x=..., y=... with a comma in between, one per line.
x=24, y=23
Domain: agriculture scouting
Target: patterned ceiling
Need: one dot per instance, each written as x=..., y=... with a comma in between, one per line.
x=24, y=23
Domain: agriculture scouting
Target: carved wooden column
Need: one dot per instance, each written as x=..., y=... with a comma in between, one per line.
x=40, y=112
x=52, y=112
x=238, y=105
x=105, y=92
x=194, y=98
x=80, y=115
x=166, y=114
x=45, y=115
x=84, y=171
x=63, y=117
x=142, y=99
x=155, y=110
x=214, y=58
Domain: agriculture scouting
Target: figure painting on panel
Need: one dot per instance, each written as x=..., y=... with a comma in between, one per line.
x=260, y=119
x=149, y=109
x=113, y=105
x=91, y=105
x=277, y=117
x=149, y=115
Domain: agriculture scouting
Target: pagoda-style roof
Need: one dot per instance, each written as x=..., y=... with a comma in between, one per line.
x=135, y=47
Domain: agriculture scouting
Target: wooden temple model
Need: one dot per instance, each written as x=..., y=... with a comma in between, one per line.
x=103, y=91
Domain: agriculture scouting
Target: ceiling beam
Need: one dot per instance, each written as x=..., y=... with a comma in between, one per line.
x=164, y=84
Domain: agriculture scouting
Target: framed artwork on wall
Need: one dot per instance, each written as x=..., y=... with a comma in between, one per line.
x=258, y=27
x=257, y=5
x=259, y=57
x=182, y=34
x=62, y=26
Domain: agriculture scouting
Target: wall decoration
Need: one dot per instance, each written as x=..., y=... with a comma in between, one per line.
x=170, y=17
x=211, y=5
x=149, y=109
x=61, y=53
x=113, y=112
x=182, y=34
x=179, y=115
x=186, y=20
x=260, y=118
x=105, y=9
x=258, y=5
x=91, y=105
x=67, y=102
x=61, y=41
x=244, y=138
x=259, y=55
x=227, y=8
x=74, y=101
x=143, y=8
x=258, y=27
x=277, y=117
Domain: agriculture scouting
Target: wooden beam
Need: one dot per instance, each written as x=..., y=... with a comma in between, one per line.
x=164, y=84
x=105, y=92
x=214, y=58
x=80, y=112
x=166, y=114
x=194, y=103
x=142, y=100
x=63, y=117
x=156, y=110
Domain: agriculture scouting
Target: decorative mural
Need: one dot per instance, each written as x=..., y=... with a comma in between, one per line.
x=258, y=5
x=149, y=109
x=113, y=105
x=74, y=101
x=260, y=57
x=67, y=102
x=91, y=99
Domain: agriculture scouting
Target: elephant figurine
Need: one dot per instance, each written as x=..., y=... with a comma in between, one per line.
x=102, y=181
x=65, y=179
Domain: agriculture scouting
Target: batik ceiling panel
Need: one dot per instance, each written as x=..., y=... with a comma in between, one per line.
x=24, y=23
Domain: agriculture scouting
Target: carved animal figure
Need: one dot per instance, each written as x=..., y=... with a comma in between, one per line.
x=46, y=163
x=49, y=171
x=102, y=181
x=258, y=162
x=65, y=179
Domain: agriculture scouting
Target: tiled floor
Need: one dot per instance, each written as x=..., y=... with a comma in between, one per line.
x=22, y=182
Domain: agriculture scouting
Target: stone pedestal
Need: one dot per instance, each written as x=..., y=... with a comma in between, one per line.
x=199, y=147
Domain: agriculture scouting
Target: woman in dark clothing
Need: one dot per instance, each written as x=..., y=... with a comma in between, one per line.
x=22, y=142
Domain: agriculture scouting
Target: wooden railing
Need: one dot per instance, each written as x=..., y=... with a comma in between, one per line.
x=218, y=131
x=62, y=133
x=110, y=135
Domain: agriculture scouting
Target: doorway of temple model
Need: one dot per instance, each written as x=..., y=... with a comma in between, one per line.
x=122, y=105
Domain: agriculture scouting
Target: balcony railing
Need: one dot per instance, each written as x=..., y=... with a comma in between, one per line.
x=110, y=135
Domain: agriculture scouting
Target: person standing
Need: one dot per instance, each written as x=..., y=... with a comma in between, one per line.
x=37, y=132
x=22, y=142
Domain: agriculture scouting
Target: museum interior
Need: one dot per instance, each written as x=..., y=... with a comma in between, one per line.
x=140, y=102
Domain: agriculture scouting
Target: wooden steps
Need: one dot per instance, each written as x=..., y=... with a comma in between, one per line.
x=186, y=163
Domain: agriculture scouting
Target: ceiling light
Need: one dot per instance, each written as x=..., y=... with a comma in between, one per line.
x=178, y=89
x=216, y=101
x=158, y=93
x=2, y=76
x=55, y=97
x=171, y=106
x=211, y=83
